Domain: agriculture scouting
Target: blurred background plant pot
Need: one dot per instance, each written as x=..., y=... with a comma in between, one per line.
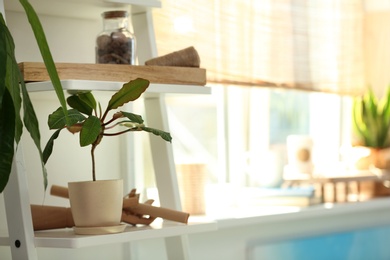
x=380, y=158
x=192, y=180
x=96, y=204
x=373, y=157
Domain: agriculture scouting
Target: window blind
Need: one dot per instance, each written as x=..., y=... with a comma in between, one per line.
x=310, y=45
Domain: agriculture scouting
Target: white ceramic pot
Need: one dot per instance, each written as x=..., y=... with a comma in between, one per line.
x=96, y=204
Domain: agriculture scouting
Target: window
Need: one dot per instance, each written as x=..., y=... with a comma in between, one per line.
x=311, y=45
x=260, y=56
x=235, y=131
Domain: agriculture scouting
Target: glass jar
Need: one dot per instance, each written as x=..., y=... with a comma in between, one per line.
x=116, y=44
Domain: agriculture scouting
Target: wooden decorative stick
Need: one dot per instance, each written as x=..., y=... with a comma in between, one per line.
x=168, y=214
x=147, y=209
x=131, y=206
x=62, y=192
x=50, y=217
x=59, y=191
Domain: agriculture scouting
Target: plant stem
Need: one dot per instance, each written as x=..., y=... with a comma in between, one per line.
x=122, y=132
x=93, y=161
x=110, y=121
x=104, y=115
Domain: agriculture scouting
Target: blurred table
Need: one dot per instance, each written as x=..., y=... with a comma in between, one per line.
x=357, y=177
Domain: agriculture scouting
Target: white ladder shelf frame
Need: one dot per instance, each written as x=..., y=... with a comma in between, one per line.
x=16, y=196
x=162, y=154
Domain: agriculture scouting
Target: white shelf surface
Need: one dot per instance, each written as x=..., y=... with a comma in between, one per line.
x=281, y=223
x=287, y=214
x=285, y=220
x=66, y=238
x=113, y=86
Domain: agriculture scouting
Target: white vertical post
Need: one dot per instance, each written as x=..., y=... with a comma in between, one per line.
x=156, y=115
x=17, y=205
x=18, y=211
x=164, y=165
x=144, y=34
x=165, y=172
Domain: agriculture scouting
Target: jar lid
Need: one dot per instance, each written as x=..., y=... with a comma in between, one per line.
x=114, y=14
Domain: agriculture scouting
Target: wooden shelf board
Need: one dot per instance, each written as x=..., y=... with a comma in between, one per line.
x=36, y=71
x=65, y=238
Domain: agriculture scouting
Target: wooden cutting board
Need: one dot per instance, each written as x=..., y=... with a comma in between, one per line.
x=36, y=71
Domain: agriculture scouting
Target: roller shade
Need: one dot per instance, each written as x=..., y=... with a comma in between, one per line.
x=312, y=45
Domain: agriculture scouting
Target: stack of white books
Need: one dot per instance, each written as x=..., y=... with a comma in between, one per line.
x=290, y=196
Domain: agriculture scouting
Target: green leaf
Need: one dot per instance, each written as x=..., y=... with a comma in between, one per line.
x=76, y=103
x=3, y=57
x=384, y=120
x=133, y=117
x=49, y=146
x=385, y=105
x=90, y=131
x=57, y=119
x=12, y=79
x=7, y=133
x=31, y=123
x=51, y=69
x=129, y=92
x=164, y=135
x=89, y=99
x=13, y=86
x=370, y=103
x=40, y=37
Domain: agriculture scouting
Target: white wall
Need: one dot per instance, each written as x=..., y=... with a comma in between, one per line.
x=70, y=39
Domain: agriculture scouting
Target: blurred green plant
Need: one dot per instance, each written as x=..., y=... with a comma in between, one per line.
x=371, y=119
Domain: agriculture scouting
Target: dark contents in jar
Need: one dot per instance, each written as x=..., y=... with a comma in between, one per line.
x=114, y=49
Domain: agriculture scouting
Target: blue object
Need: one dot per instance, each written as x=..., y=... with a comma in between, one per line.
x=365, y=244
x=283, y=192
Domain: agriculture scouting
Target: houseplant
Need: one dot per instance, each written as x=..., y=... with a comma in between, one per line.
x=371, y=125
x=92, y=124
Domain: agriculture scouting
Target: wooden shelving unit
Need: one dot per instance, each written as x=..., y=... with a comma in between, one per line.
x=36, y=72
